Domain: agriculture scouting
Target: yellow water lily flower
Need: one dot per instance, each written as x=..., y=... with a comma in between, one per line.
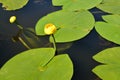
x=50, y=29
x=12, y=19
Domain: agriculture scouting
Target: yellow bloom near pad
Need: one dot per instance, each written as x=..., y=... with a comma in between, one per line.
x=12, y=19
x=50, y=29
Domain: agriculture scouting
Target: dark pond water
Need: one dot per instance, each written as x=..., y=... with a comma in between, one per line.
x=80, y=52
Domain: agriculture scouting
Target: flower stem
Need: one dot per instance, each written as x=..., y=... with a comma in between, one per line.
x=18, y=25
x=20, y=31
x=54, y=43
x=23, y=42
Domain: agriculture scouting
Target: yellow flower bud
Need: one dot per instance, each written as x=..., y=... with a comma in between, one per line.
x=50, y=29
x=12, y=19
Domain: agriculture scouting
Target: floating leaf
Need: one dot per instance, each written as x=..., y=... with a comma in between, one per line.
x=110, y=29
x=60, y=68
x=113, y=19
x=111, y=68
x=13, y=4
x=74, y=5
x=71, y=25
x=110, y=6
x=37, y=64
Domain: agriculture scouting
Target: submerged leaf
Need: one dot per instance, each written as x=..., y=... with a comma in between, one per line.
x=13, y=4
x=111, y=68
x=70, y=25
x=73, y=5
x=63, y=46
x=38, y=64
x=31, y=39
x=110, y=29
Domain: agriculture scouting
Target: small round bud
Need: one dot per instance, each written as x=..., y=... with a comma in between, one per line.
x=50, y=29
x=12, y=19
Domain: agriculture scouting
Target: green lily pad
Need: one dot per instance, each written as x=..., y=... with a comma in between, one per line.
x=37, y=64
x=13, y=4
x=110, y=6
x=110, y=69
x=71, y=25
x=110, y=29
x=113, y=19
x=73, y=5
x=60, y=68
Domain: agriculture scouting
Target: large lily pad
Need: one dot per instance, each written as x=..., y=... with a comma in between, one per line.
x=13, y=4
x=71, y=25
x=110, y=70
x=37, y=64
x=73, y=5
x=110, y=6
x=110, y=29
